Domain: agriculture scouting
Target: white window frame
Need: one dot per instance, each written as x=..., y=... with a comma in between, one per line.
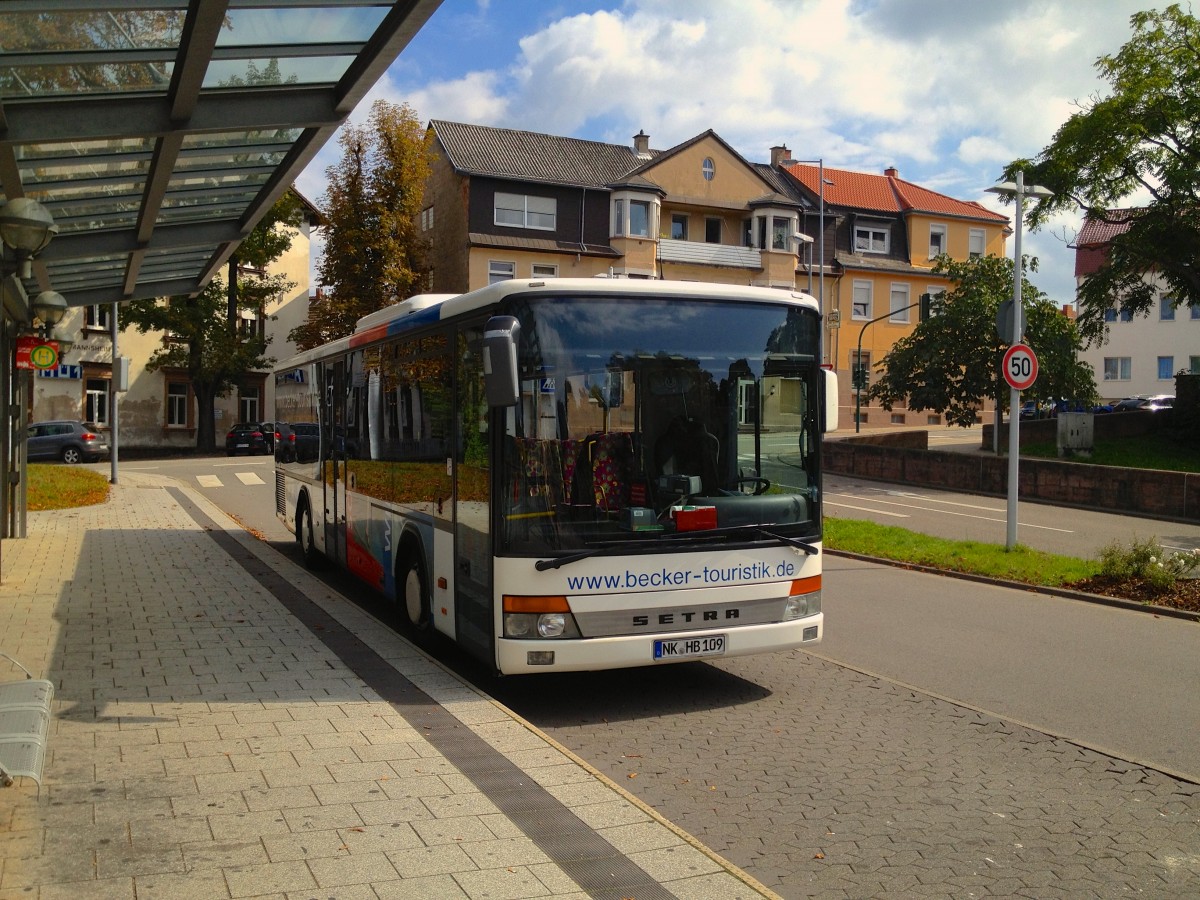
x=646, y=227
x=249, y=405
x=524, y=211
x=1166, y=308
x=96, y=400
x=855, y=302
x=977, y=237
x=501, y=270
x=899, y=297
x=544, y=270
x=98, y=316
x=1194, y=365
x=942, y=233
x=178, y=404
x=1170, y=360
x=427, y=218
x=878, y=239
x=1118, y=368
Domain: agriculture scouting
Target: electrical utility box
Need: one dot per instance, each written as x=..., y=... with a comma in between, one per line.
x=1076, y=433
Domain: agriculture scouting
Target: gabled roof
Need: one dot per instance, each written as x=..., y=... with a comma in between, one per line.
x=530, y=156
x=887, y=193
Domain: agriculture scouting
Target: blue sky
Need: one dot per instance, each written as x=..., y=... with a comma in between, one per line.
x=948, y=91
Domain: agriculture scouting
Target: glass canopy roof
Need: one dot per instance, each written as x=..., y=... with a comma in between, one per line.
x=158, y=132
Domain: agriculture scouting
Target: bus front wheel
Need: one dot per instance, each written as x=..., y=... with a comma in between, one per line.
x=415, y=594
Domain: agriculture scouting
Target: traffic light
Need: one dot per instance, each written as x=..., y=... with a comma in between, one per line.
x=859, y=376
x=925, y=310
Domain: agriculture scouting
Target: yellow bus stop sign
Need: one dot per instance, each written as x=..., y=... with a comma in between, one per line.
x=44, y=356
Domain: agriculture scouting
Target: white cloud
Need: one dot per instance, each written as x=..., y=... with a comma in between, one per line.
x=945, y=90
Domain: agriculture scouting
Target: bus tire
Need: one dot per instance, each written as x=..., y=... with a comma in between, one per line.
x=305, y=536
x=414, y=595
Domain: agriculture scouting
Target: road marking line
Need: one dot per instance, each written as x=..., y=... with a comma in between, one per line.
x=879, y=512
x=209, y=481
x=944, y=512
x=249, y=478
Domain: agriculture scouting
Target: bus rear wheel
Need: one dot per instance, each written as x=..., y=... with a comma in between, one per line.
x=414, y=594
x=305, y=537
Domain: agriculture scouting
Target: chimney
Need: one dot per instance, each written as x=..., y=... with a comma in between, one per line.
x=891, y=172
x=779, y=155
x=641, y=143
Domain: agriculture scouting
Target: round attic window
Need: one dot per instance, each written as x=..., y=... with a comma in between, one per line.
x=708, y=168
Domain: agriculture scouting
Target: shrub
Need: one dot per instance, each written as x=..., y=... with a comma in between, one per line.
x=1148, y=561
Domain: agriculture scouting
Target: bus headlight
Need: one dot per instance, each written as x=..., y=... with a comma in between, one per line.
x=804, y=600
x=538, y=617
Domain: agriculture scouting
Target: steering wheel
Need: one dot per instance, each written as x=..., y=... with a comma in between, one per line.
x=760, y=484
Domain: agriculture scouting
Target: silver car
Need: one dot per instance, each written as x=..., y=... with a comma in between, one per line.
x=70, y=441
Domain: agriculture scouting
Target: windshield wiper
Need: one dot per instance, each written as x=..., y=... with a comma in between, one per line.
x=558, y=562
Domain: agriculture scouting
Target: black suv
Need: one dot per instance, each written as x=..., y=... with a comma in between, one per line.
x=71, y=441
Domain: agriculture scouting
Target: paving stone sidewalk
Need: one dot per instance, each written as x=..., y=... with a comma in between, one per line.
x=207, y=743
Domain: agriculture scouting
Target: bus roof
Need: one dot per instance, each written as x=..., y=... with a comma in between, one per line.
x=430, y=308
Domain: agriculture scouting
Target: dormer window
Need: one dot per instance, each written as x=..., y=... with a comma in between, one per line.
x=871, y=239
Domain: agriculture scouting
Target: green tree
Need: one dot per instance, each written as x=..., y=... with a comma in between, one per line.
x=374, y=254
x=206, y=338
x=1142, y=137
x=951, y=361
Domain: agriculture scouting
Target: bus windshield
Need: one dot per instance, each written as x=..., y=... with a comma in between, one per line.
x=643, y=420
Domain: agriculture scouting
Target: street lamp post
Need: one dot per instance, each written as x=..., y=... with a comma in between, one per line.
x=820, y=164
x=807, y=242
x=1018, y=191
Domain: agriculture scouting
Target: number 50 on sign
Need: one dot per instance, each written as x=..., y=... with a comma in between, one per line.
x=1020, y=367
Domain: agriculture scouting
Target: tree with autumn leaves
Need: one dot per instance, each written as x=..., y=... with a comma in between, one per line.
x=374, y=254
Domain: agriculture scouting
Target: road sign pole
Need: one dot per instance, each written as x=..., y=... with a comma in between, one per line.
x=1014, y=400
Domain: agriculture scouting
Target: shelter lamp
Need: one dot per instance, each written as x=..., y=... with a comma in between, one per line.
x=26, y=227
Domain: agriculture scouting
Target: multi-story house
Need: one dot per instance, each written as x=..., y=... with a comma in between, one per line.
x=159, y=411
x=501, y=204
x=1142, y=354
x=888, y=232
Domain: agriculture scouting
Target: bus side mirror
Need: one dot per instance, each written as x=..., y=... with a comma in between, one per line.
x=500, y=382
x=831, y=401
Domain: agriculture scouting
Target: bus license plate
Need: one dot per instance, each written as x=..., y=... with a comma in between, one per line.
x=686, y=648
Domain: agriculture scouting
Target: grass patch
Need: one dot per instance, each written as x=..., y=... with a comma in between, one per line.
x=990, y=560
x=1146, y=451
x=64, y=487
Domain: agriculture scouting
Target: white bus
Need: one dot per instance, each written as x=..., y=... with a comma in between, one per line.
x=571, y=474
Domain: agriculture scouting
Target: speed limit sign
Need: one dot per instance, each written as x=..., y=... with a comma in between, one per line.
x=1020, y=367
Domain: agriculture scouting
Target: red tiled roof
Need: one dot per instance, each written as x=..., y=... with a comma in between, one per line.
x=1100, y=231
x=886, y=193
x=1091, y=244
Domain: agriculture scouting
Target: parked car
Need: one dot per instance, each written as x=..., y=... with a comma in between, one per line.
x=305, y=440
x=1158, y=401
x=69, y=440
x=1031, y=409
x=249, y=438
x=1128, y=404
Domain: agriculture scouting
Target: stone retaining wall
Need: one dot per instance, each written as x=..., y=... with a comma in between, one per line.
x=1148, y=492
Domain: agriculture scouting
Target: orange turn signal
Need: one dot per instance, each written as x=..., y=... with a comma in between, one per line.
x=535, y=604
x=805, y=586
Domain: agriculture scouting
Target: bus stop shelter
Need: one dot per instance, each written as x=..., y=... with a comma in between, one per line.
x=142, y=140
